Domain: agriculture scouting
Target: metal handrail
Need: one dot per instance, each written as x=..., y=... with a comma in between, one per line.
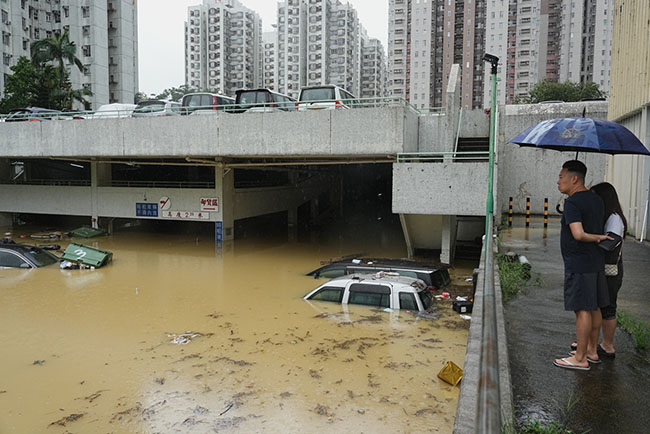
x=411, y=157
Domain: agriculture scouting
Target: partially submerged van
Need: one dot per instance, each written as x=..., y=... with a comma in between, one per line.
x=262, y=100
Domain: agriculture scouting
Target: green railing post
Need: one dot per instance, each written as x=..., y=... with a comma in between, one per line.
x=488, y=408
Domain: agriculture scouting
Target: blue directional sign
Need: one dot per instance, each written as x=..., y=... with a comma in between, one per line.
x=218, y=231
x=146, y=209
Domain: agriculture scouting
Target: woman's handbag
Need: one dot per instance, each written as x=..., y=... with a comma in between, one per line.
x=611, y=270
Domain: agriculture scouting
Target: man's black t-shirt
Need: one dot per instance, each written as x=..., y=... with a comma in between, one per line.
x=582, y=257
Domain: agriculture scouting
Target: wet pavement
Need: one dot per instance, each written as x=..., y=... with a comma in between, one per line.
x=611, y=398
x=177, y=336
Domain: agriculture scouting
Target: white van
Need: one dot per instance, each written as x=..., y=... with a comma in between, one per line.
x=325, y=97
x=115, y=110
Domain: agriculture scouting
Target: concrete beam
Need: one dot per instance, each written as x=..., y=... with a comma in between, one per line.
x=440, y=188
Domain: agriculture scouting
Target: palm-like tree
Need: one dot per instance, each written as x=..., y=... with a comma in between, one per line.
x=56, y=49
x=59, y=49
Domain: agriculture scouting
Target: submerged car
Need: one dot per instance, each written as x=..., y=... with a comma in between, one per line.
x=435, y=275
x=24, y=256
x=382, y=290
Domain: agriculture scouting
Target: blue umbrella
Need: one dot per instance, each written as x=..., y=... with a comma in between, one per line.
x=581, y=135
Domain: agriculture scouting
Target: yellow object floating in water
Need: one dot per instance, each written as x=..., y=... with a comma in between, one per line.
x=451, y=373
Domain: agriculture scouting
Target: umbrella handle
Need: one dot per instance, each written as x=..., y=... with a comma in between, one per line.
x=557, y=208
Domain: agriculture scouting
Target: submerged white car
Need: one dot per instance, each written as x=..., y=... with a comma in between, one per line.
x=379, y=290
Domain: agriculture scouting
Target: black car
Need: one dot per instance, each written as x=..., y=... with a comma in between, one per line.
x=433, y=274
x=24, y=256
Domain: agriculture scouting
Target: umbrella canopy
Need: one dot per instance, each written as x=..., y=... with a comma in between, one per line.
x=581, y=135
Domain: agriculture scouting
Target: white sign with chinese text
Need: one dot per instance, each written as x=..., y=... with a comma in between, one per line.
x=186, y=215
x=209, y=204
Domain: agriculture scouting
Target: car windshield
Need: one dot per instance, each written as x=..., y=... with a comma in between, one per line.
x=41, y=257
x=150, y=107
x=318, y=94
x=426, y=298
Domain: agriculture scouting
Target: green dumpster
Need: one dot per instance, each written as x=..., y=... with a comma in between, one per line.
x=87, y=255
x=87, y=232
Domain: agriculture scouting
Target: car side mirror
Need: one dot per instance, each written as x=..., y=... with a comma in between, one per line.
x=25, y=265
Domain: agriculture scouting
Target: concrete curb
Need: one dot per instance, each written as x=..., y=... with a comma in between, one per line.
x=465, y=422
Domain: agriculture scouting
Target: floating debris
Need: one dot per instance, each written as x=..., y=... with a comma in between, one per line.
x=38, y=362
x=184, y=338
x=323, y=410
x=361, y=411
x=285, y=394
x=66, y=419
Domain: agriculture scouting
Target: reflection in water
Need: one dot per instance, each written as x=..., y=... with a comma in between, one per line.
x=94, y=351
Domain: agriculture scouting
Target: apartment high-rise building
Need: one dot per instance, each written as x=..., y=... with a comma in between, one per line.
x=586, y=42
x=270, y=47
x=373, y=69
x=425, y=39
x=320, y=42
x=557, y=40
x=223, y=47
x=104, y=32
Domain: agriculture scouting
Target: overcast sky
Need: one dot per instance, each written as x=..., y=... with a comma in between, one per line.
x=161, y=45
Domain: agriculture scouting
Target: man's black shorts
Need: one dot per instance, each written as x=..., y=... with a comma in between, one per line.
x=585, y=291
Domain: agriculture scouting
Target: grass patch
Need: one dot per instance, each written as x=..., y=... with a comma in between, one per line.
x=639, y=329
x=513, y=276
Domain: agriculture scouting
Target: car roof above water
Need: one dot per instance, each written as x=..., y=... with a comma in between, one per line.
x=381, y=277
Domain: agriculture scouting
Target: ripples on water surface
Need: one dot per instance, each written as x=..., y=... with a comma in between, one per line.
x=92, y=351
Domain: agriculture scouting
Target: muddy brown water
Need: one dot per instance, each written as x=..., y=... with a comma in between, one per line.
x=177, y=336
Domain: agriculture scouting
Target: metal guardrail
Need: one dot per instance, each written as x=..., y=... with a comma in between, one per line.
x=439, y=157
x=489, y=399
x=286, y=106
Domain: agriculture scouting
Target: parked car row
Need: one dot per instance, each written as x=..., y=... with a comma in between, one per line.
x=325, y=97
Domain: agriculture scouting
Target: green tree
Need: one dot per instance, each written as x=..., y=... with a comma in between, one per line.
x=567, y=91
x=59, y=50
x=21, y=87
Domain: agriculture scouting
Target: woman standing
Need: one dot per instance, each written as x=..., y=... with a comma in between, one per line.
x=614, y=222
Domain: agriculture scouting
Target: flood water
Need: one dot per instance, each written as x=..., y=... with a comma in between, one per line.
x=177, y=336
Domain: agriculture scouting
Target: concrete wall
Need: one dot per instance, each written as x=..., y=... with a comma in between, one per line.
x=45, y=199
x=531, y=172
x=440, y=188
x=370, y=131
x=630, y=175
x=432, y=134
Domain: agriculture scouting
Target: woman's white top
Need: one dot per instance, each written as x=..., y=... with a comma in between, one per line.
x=615, y=224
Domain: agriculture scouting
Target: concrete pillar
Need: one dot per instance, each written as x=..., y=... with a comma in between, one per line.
x=225, y=190
x=407, y=236
x=94, y=197
x=448, y=239
x=452, y=107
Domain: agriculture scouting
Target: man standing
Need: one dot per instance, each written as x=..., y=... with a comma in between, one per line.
x=585, y=287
